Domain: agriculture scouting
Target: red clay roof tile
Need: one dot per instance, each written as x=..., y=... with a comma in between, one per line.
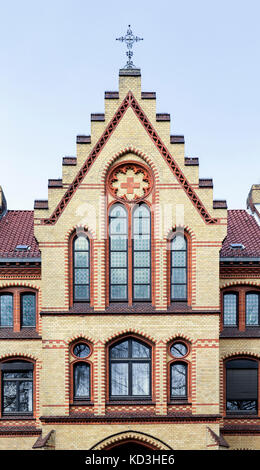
x=16, y=228
x=242, y=228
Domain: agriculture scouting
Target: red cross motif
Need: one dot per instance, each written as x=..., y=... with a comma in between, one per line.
x=130, y=185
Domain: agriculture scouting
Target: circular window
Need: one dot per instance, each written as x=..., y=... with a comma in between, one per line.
x=179, y=350
x=81, y=350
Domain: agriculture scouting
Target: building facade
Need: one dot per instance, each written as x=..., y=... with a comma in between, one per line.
x=129, y=300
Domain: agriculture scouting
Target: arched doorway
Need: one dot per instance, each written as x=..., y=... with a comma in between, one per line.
x=132, y=446
x=131, y=441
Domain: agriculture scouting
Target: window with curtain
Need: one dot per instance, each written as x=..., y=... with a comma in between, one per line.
x=241, y=386
x=118, y=253
x=17, y=388
x=141, y=253
x=252, y=309
x=179, y=268
x=28, y=310
x=230, y=309
x=81, y=268
x=130, y=370
x=6, y=310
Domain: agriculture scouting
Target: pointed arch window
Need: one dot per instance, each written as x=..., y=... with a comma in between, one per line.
x=141, y=253
x=118, y=253
x=81, y=268
x=130, y=370
x=179, y=268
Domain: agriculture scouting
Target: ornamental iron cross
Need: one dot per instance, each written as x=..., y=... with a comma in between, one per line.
x=129, y=39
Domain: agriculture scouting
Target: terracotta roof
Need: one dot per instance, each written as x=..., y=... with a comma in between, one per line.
x=242, y=228
x=16, y=228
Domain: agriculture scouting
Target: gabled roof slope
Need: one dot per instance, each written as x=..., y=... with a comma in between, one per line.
x=16, y=228
x=241, y=228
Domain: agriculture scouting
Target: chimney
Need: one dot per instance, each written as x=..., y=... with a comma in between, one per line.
x=3, y=205
x=253, y=201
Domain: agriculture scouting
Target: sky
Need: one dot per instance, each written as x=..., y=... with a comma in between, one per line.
x=58, y=57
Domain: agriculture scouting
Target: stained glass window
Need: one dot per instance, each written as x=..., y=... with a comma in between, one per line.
x=179, y=268
x=130, y=370
x=81, y=268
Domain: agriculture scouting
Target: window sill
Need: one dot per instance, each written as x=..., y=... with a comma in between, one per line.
x=179, y=402
x=83, y=402
x=130, y=401
x=17, y=417
x=241, y=416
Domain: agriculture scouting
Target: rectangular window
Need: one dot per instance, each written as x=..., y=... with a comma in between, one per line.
x=230, y=309
x=6, y=310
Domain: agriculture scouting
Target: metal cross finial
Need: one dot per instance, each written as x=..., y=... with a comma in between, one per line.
x=129, y=39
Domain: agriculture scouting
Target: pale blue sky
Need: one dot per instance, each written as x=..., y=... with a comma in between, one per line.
x=58, y=57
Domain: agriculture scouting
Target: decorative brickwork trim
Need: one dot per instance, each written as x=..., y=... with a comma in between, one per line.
x=127, y=102
x=131, y=436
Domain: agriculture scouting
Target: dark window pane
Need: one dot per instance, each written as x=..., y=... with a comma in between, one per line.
x=178, y=380
x=120, y=350
x=141, y=292
x=179, y=242
x=81, y=350
x=81, y=292
x=141, y=379
x=230, y=309
x=179, y=350
x=81, y=259
x=118, y=292
x=242, y=405
x=118, y=226
x=118, y=259
x=118, y=276
x=118, y=242
x=179, y=292
x=179, y=276
x=81, y=243
x=28, y=310
x=6, y=310
x=242, y=384
x=139, y=350
x=141, y=259
x=17, y=390
x=117, y=211
x=25, y=397
x=179, y=258
x=252, y=309
x=119, y=379
x=142, y=276
x=81, y=276
x=81, y=381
